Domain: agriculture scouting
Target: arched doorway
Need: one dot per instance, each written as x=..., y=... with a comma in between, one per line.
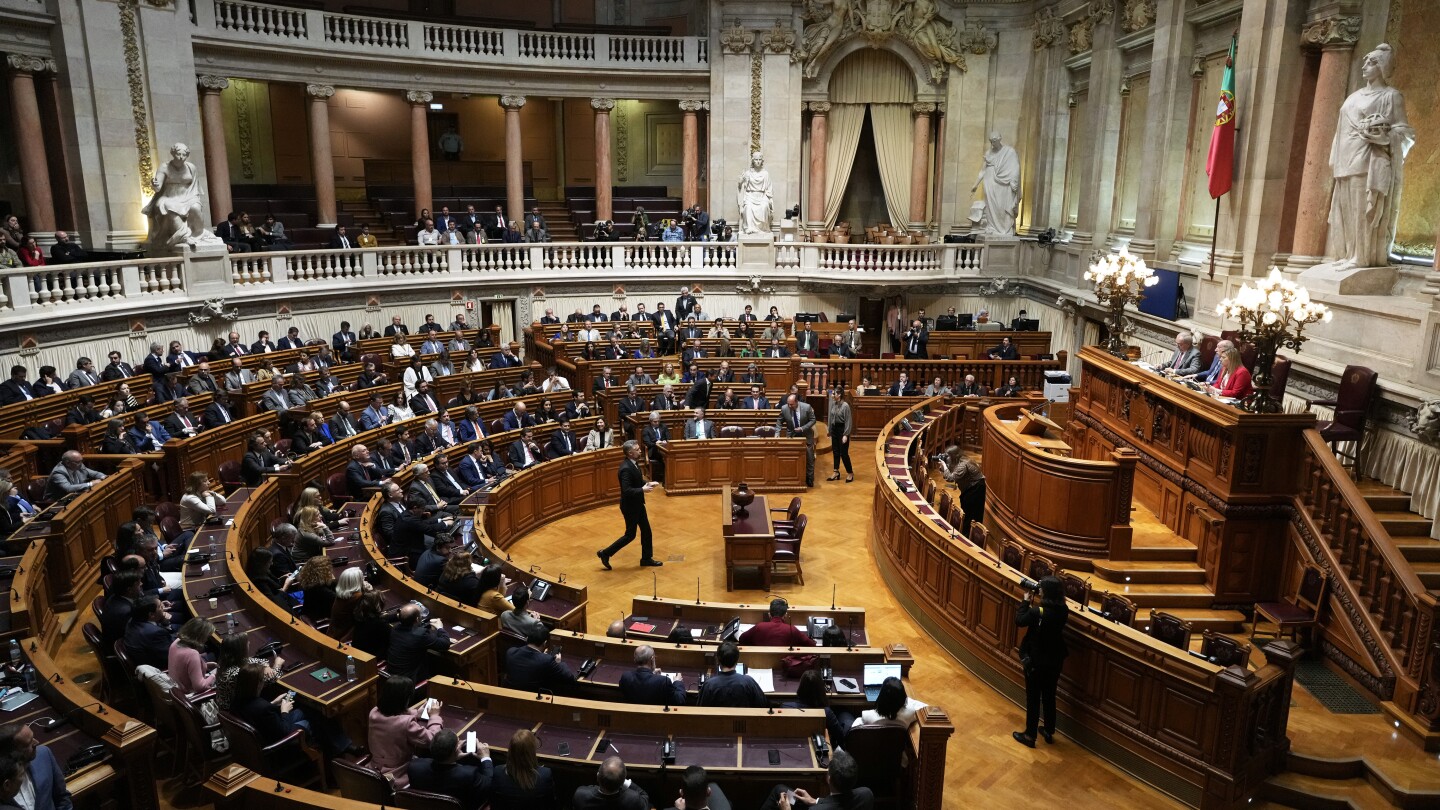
x=871, y=94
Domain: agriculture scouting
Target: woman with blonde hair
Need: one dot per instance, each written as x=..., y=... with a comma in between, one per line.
x=668, y=376
x=314, y=536
x=200, y=502
x=1234, y=379
x=310, y=496
x=400, y=347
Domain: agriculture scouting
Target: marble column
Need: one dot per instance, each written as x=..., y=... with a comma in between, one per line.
x=212, y=134
x=938, y=162
x=322, y=163
x=1335, y=36
x=819, y=146
x=420, y=147
x=1167, y=124
x=604, y=204
x=690, y=151
x=30, y=142
x=514, y=159
x=920, y=163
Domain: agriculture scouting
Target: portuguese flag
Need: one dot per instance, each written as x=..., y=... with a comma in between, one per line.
x=1221, y=164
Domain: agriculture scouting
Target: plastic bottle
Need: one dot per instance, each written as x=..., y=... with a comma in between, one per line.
x=15, y=655
x=350, y=668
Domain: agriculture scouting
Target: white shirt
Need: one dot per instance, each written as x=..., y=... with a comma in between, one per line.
x=555, y=384
x=25, y=796
x=428, y=237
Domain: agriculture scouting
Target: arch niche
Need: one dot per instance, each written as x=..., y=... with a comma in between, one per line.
x=878, y=86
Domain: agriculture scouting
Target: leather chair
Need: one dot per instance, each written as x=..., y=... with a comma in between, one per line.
x=166, y=509
x=732, y=432
x=170, y=529
x=1279, y=376
x=410, y=799
x=1169, y=629
x=1207, y=346
x=230, y=478
x=285, y=760
x=790, y=513
x=1117, y=608
x=109, y=665
x=164, y=715
x=1301, y=612
x=337, y=488
x=1223, y=650
x=201, y=757
x=125, y=691
x=1012, y=554
x=362, y=783
x=882, y=753
x=1351, y=403
x=765, y=431
x=787, y=552
x=1038, y=568
x=1076, y=589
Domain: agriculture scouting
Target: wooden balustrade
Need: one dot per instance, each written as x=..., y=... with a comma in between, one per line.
x=989, y=373
x=1373, y=587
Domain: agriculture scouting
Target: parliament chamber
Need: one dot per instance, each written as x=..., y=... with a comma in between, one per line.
x=343, y=340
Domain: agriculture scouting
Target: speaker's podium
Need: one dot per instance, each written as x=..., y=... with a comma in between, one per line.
x=749, y=534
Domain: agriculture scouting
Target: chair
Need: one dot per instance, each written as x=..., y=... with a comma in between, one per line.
x=283, y=760
x=338, y=488
x=1289, y=615
x=1223, y=650
x=1169, y=629
x=1076, y=589
x=166, y=509
x=362, y=783
x=1038, y=567
x=283, y=447
x=787, y=552
x=205, y=745
x=165, y=717
x=944, y=506
x=1279, y=376
x=881, y=752
x=765, y=431
x=930, y=490
x=410, y=799
x=789, y=511
x=1207, y=346
x=229, y=472
x=108, y=664
x=732, y=432
x=1012, y=554
x=1117, y=608
x=122, y=684
x=1351, y=403
x=170, y=529
x=979, y=535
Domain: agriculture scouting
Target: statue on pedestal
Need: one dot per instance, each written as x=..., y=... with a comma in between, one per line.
x=756, y=197
x=1001, y=179
x=177, y=217
x=1367, y=158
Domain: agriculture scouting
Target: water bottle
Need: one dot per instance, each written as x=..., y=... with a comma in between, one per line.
x=230, y=622
x=15, y=652
x=29, y=675
x=350, y=668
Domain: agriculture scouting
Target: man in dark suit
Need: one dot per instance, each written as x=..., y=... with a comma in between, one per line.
x=807, y=339
x=693, y=352
x=423, y=402
x=260, y=461
x=685, y=304
x=596, y=316
x=611, y=791
x=432, y=560
x=505, y=358
x=421, y=487
x=119, y=606
x=604, y=380
x=632, y=403
x=342, y=424
x=728, y=688
x=517, y=417
x=388, y=518
x=495, y=225
x=757, y=400
x=411, y=643
x=748, y=316
x=148, y=638
x=665, y=324
x=342, y=341
x=915, y=339
x=698, y=427
x=360, y=473
x=776, y=350
x=562, y=440
x=525, y=451
x=776, y=631
x=646, y=686
x=969, y=388
x=16, y=389
x=842, y=778
x=413, y=527
x=263, y=344
x=292, y=339
x=341, y=240
x=181, y=424
x=699, y=394
x=218, y=412
x=902, y=387
x=549, y=317
x=155, y=362
x=41, y=770
x=442, y=478
x=633, y=487
x=1005, y=351
x=465, y=778
x=530, y=667
x=396, y=325
x=118, y=369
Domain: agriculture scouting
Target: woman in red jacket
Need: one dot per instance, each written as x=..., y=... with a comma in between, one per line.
x=30, y=253
x=1234, y=379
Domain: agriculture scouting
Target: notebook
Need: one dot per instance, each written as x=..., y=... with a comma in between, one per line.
x=875, y=675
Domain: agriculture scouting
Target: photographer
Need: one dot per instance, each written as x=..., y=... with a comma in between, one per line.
x=967, y=477
x=696, y=223
x=722, y=231
x=1042, y=653
x=604, y=230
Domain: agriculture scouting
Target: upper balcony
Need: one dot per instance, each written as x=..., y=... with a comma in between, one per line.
x=308, y=45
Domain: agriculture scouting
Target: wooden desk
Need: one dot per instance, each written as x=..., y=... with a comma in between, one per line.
x=749, y=538
x=710, y=465
x=669, y=614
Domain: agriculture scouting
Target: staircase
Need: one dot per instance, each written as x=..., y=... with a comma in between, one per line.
x=557, y=216
x=362, y=214
x=1410, y=531
x=1164, y=573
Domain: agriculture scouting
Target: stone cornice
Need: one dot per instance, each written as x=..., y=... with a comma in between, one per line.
x=1331, y=32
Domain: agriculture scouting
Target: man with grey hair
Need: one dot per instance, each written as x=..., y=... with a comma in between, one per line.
x=645, y=686
x=71, y=477
x=797, y=420
x=1186, y=359
x=282, y=546
x=633, y=487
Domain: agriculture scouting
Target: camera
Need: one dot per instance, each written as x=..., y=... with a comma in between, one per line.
x=717, y=227
x=1029, y=585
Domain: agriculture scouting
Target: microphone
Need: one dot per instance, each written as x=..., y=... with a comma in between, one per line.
x=562, y=576
x=833, y=586
x=654, y=585
x=697, y=590
x=623, y=638
x=540, y=694
x=850, y=636
x=535, y=567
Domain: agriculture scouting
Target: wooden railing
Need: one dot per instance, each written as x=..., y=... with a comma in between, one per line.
x=1387, y=605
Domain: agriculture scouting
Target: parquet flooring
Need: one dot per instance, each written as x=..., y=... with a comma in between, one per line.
x=985, y=767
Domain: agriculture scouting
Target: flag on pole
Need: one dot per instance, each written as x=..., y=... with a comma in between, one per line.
x=1221, y=164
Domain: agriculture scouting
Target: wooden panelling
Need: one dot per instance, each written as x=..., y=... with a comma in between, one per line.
x=709, y=465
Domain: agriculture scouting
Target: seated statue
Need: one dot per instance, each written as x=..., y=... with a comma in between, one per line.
x=176, y=215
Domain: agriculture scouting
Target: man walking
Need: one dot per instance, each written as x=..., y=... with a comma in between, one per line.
x=633, y=487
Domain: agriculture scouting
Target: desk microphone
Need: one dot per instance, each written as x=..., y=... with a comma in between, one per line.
x=850, y=636
x=654, y=585
x=624, y=639
x=540, y=695
x=535, y=567
x=833, y=586
x=697, y=590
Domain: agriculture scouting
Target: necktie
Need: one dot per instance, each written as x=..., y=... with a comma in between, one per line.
x=1176, y=364
x=224, y=414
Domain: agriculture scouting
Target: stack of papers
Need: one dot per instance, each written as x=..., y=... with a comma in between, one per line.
x=764, y=677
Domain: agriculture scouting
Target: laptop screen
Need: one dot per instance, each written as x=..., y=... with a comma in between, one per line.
x=875, y=674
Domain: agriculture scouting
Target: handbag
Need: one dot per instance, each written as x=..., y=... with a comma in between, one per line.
x=796, y=665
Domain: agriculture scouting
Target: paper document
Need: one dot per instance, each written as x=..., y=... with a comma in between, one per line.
x=764, y=677
x=745, y=628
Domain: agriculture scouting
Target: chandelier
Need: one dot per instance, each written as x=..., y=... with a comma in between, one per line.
x=1120, y=280
x=1272, y=314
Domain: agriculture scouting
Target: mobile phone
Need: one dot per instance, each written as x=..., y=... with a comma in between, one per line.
x=794, y=801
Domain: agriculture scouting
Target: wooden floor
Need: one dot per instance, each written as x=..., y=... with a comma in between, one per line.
x=985, y=767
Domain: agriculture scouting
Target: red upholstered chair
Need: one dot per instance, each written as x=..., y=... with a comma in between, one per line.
x=166, y=509
x=1351, y=404
x=1279, y=376
x=1223, y=650
x=1207, y=351
x=1076, y=589
x=1169, y=629
x=1012, y=554
x=765, y=431
x=1117, y=608
x=1038, y=568
x=732, y=432
x=337, y=488
x=1301, y=612
x=787, y=552
x=229, y=472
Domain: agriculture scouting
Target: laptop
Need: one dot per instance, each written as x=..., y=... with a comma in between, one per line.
x=875, y=675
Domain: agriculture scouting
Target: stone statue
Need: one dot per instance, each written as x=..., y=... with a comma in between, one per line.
x=177, y=217
x=1367, y=159
x=1001, y=179
x=756, y=197
x=933, y=37
x=826, y=29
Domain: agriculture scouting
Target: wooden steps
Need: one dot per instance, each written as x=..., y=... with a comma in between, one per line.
x=1168, y=598
x=1404, y=524
x=1168, y=553
x=1410, y=531
x=1419, y=549
x=1297, y=790
x=1232, y=622
x=1429, y=573
x=1151, y=572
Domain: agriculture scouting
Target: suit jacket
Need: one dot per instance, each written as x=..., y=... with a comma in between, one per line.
x=630, y=405
x=896, y=390
x=277, y=401
x=422, y=404
x=651, y=436
x=529, y=668
x=632, y=486
x=392, y=329
x=807, y=340
x=1186, y=362
x=385, y=522
x=692, y=428
x=777, y=351
x=860, y=798
x=409, y=648
x=262, y=346
x=803, y=421
x=158, y=366
x=562, y=443
x=645, y=685
x=517, y=454
x=760, y=403
x=343, y=425
x=732, y=690
x=117, y=371
x=501, y=360
x=465, y=782
x=690, y=355
x=358, y=477
x=63, y=482
x=257, y=465
x=448, y=484
x=48, y=781
x=175, y=424
x=664, y=403
x=512, y=420
x=148, y=442
x=663, y=320
x=216, y=415
x=79, y=378
x=469, y=431
x=470, y=473
x=148, y=643
x=338, y=242
x=589, y=797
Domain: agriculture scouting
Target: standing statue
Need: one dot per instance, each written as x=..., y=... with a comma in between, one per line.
x=1001, y=178
x=756, y=197
x=1367, y=159
x=177, y=217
